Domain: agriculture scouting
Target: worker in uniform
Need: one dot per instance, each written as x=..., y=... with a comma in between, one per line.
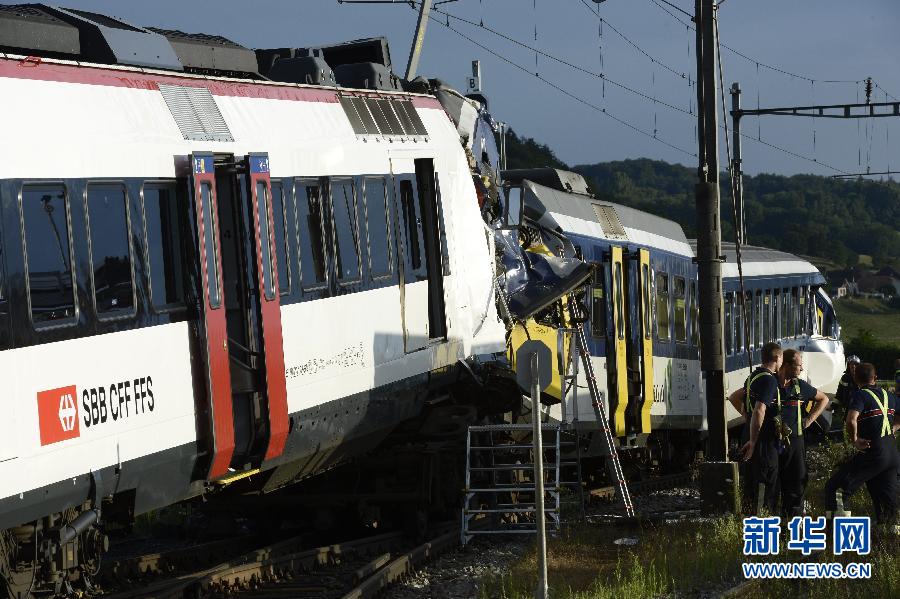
x=761, y=448
x=794, y=393
x=871, y=425
x=897, y=377
x=846, y=387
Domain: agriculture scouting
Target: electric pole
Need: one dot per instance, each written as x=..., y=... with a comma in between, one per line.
x=418, y=40
x=718, y=478
x=709, y=234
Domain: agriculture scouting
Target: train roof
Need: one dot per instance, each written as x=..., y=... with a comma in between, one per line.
x=760, y=261
x=584, y=215
x=51, y=32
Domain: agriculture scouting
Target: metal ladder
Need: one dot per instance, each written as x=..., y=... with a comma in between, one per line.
x=614, y=467
x=493, y=449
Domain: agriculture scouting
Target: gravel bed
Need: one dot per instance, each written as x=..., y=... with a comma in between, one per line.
x=456, y=574
x=678, y=501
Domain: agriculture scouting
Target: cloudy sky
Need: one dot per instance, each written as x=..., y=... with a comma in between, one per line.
x=542, y=61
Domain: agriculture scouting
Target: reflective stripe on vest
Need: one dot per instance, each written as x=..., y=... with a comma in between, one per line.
x=753, y=379
x=799, y=430
x=885, y=423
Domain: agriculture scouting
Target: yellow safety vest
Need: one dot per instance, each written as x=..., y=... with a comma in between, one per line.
x=885, y=423
x=750, y=381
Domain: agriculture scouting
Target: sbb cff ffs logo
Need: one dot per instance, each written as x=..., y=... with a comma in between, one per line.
x=58, y=415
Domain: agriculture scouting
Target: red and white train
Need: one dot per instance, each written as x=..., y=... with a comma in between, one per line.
x=204, y=276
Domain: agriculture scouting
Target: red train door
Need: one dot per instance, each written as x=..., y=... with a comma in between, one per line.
x=260, y=193
x=218, y=377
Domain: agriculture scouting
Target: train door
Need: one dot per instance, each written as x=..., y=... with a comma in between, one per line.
x=417, y=229
x=245, y=356
x=617, y=352
x=271, y=348
x=214, y=330
x=645, y=309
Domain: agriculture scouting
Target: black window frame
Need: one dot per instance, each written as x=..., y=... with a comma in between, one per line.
x=673, y=292
x=299, y=186
x=389, y=230
x=282, y=290
x=337, y=260
x=183, y=234
x=76, y=308
x=113, y=314
x=668, y=300
x=598, y=302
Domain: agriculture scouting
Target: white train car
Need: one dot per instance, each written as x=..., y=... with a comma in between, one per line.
x=205, y=277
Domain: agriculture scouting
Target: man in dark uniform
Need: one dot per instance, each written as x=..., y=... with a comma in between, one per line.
x=761, y=449
x=846, y=386
x=871, y=427
x=792, y=460
x=897, y=377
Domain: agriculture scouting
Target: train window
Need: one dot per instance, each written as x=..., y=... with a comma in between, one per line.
x=798, y=311
x=776, y=315
x=758, y=317
x=265, y=237
x=695, y=316
x=110, y=249
x=787, y=320
x=279, y=220
x=209, y=246
x=407, y=200
x=647, y=307
x=680, y=310
x=378, y=230
x=163, y=226
x=346, y=238
x=311, y=242
x=729, y=330
x=738, y=322
x=620, y=302
x=662, y=306
x=598, y=303
x=767, y=316
x=750, y=326
x=45, y=216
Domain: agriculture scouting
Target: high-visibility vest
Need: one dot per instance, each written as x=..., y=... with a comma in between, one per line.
x=885, y=423
x=752, y=379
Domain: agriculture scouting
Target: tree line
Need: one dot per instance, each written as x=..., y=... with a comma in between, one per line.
x=801, y=214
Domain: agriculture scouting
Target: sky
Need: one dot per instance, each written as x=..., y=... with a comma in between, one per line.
x=562, y=47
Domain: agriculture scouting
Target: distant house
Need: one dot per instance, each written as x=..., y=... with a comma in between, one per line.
x=878, y=283
x=847, y=289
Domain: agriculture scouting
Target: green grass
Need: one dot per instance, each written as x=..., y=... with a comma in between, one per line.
x=689, y=559
x=857, y=314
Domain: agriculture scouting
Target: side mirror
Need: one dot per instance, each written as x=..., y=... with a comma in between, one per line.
x=513, y=209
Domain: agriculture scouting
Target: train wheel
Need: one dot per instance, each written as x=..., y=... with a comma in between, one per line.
x=18, y=571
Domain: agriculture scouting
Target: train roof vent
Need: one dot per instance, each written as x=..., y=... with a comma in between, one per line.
x=196, y=113
x=382, y=116
x=609, y=222
x=108, y=40
x=28, y=29
x=211, y=54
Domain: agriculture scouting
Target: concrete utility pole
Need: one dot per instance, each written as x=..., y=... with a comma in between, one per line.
x=718, y=478
x=418, y=40
x=709, y=234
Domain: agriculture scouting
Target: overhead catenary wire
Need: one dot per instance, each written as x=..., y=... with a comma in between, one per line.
x=603, y=78
x=759, y=63
x=562, y=61
x=564, y=91
x=652, y=58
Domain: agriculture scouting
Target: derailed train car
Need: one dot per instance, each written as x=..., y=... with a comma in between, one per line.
x=208, y=276
x=640, y=316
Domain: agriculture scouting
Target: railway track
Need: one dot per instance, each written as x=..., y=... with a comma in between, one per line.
x=353, y=569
